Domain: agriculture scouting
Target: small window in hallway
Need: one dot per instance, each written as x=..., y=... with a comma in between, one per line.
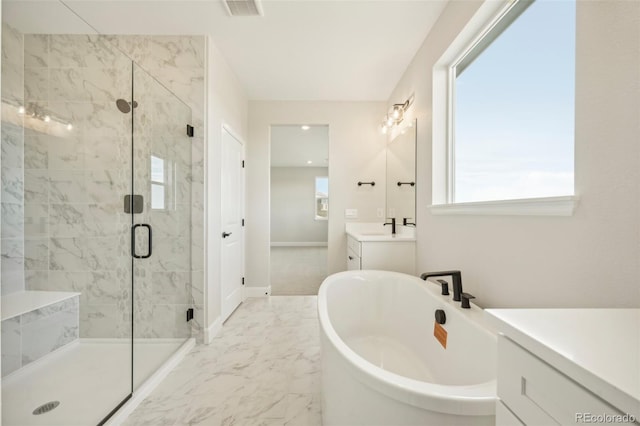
x=512, y=106
x=322, y=198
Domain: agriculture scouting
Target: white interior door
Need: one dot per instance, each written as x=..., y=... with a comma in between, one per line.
x=232, y=231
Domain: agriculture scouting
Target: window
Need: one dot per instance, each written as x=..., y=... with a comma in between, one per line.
x=158, y=183
x=322, y=198
x=512, y=105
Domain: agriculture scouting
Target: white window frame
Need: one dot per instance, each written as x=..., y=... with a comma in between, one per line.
x=165, y=184
x=485, y=19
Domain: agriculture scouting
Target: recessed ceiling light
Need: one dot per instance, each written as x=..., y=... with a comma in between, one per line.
x=305, y=127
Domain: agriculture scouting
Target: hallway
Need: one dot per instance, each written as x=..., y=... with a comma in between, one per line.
x=297, y=271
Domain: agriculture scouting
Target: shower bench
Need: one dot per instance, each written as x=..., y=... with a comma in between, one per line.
x=36, y=323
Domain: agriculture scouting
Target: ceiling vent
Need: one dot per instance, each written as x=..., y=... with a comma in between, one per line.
x=243, y=7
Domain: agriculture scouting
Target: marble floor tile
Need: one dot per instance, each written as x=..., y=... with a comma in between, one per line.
x=262, y=369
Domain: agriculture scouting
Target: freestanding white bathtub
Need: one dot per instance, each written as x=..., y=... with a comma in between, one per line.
x=382, y=365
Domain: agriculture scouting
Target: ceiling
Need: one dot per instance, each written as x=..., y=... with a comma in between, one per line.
x=292, y=146
x=339, y=50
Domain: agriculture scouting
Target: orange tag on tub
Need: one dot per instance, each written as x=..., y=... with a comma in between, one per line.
x=441, y=334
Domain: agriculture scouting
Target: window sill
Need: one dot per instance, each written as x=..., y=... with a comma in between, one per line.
x=550, y=206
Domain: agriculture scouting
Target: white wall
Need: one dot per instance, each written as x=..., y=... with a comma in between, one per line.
x=356, y=152
x=227, y=104
x=293, y=205
x=591, y=259
x=0, y=201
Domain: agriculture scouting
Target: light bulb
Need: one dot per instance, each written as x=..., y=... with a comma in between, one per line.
x=47, y=118
x=69, y=126
x=305, y=127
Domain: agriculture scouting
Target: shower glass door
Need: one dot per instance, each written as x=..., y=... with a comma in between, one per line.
x=161, y=224
x=84, y=128
x=65, y=261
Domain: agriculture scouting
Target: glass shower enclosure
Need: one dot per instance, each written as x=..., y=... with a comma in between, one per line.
x=96, y=222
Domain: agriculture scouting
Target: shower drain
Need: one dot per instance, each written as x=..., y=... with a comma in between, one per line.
x=45, y=408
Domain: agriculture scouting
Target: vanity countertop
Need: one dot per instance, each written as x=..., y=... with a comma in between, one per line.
x=598, y=348
x=378, y=232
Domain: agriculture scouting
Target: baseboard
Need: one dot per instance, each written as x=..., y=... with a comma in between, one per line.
x=212, y=331
x=150, y=384
x=301, y=244
x=257, y=291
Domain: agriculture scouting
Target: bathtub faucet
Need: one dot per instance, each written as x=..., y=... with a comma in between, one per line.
x=456, y=277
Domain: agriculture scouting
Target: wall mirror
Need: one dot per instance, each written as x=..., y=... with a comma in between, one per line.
x=401, y=174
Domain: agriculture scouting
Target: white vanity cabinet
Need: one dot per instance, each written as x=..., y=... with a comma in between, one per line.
x=353, y=254
x=394, y=255
x=537, y=394
x=567, y=366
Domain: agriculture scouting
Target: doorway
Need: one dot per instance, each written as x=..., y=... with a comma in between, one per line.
x=299, y=203
x=232, y=222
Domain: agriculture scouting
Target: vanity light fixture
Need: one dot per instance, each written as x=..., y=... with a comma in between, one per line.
x=396, y=114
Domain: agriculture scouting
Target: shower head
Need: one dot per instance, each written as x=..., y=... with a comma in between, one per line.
x=124, y=106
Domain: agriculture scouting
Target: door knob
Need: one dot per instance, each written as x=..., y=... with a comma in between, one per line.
x=226, y=234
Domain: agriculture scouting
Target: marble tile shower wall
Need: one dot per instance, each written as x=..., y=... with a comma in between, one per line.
x=12, y=170
x=178, y=62
x=78, y=78
x=67, y=229
x=76, y=234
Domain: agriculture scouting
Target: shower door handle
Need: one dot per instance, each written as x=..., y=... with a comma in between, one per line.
x=133, y=240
